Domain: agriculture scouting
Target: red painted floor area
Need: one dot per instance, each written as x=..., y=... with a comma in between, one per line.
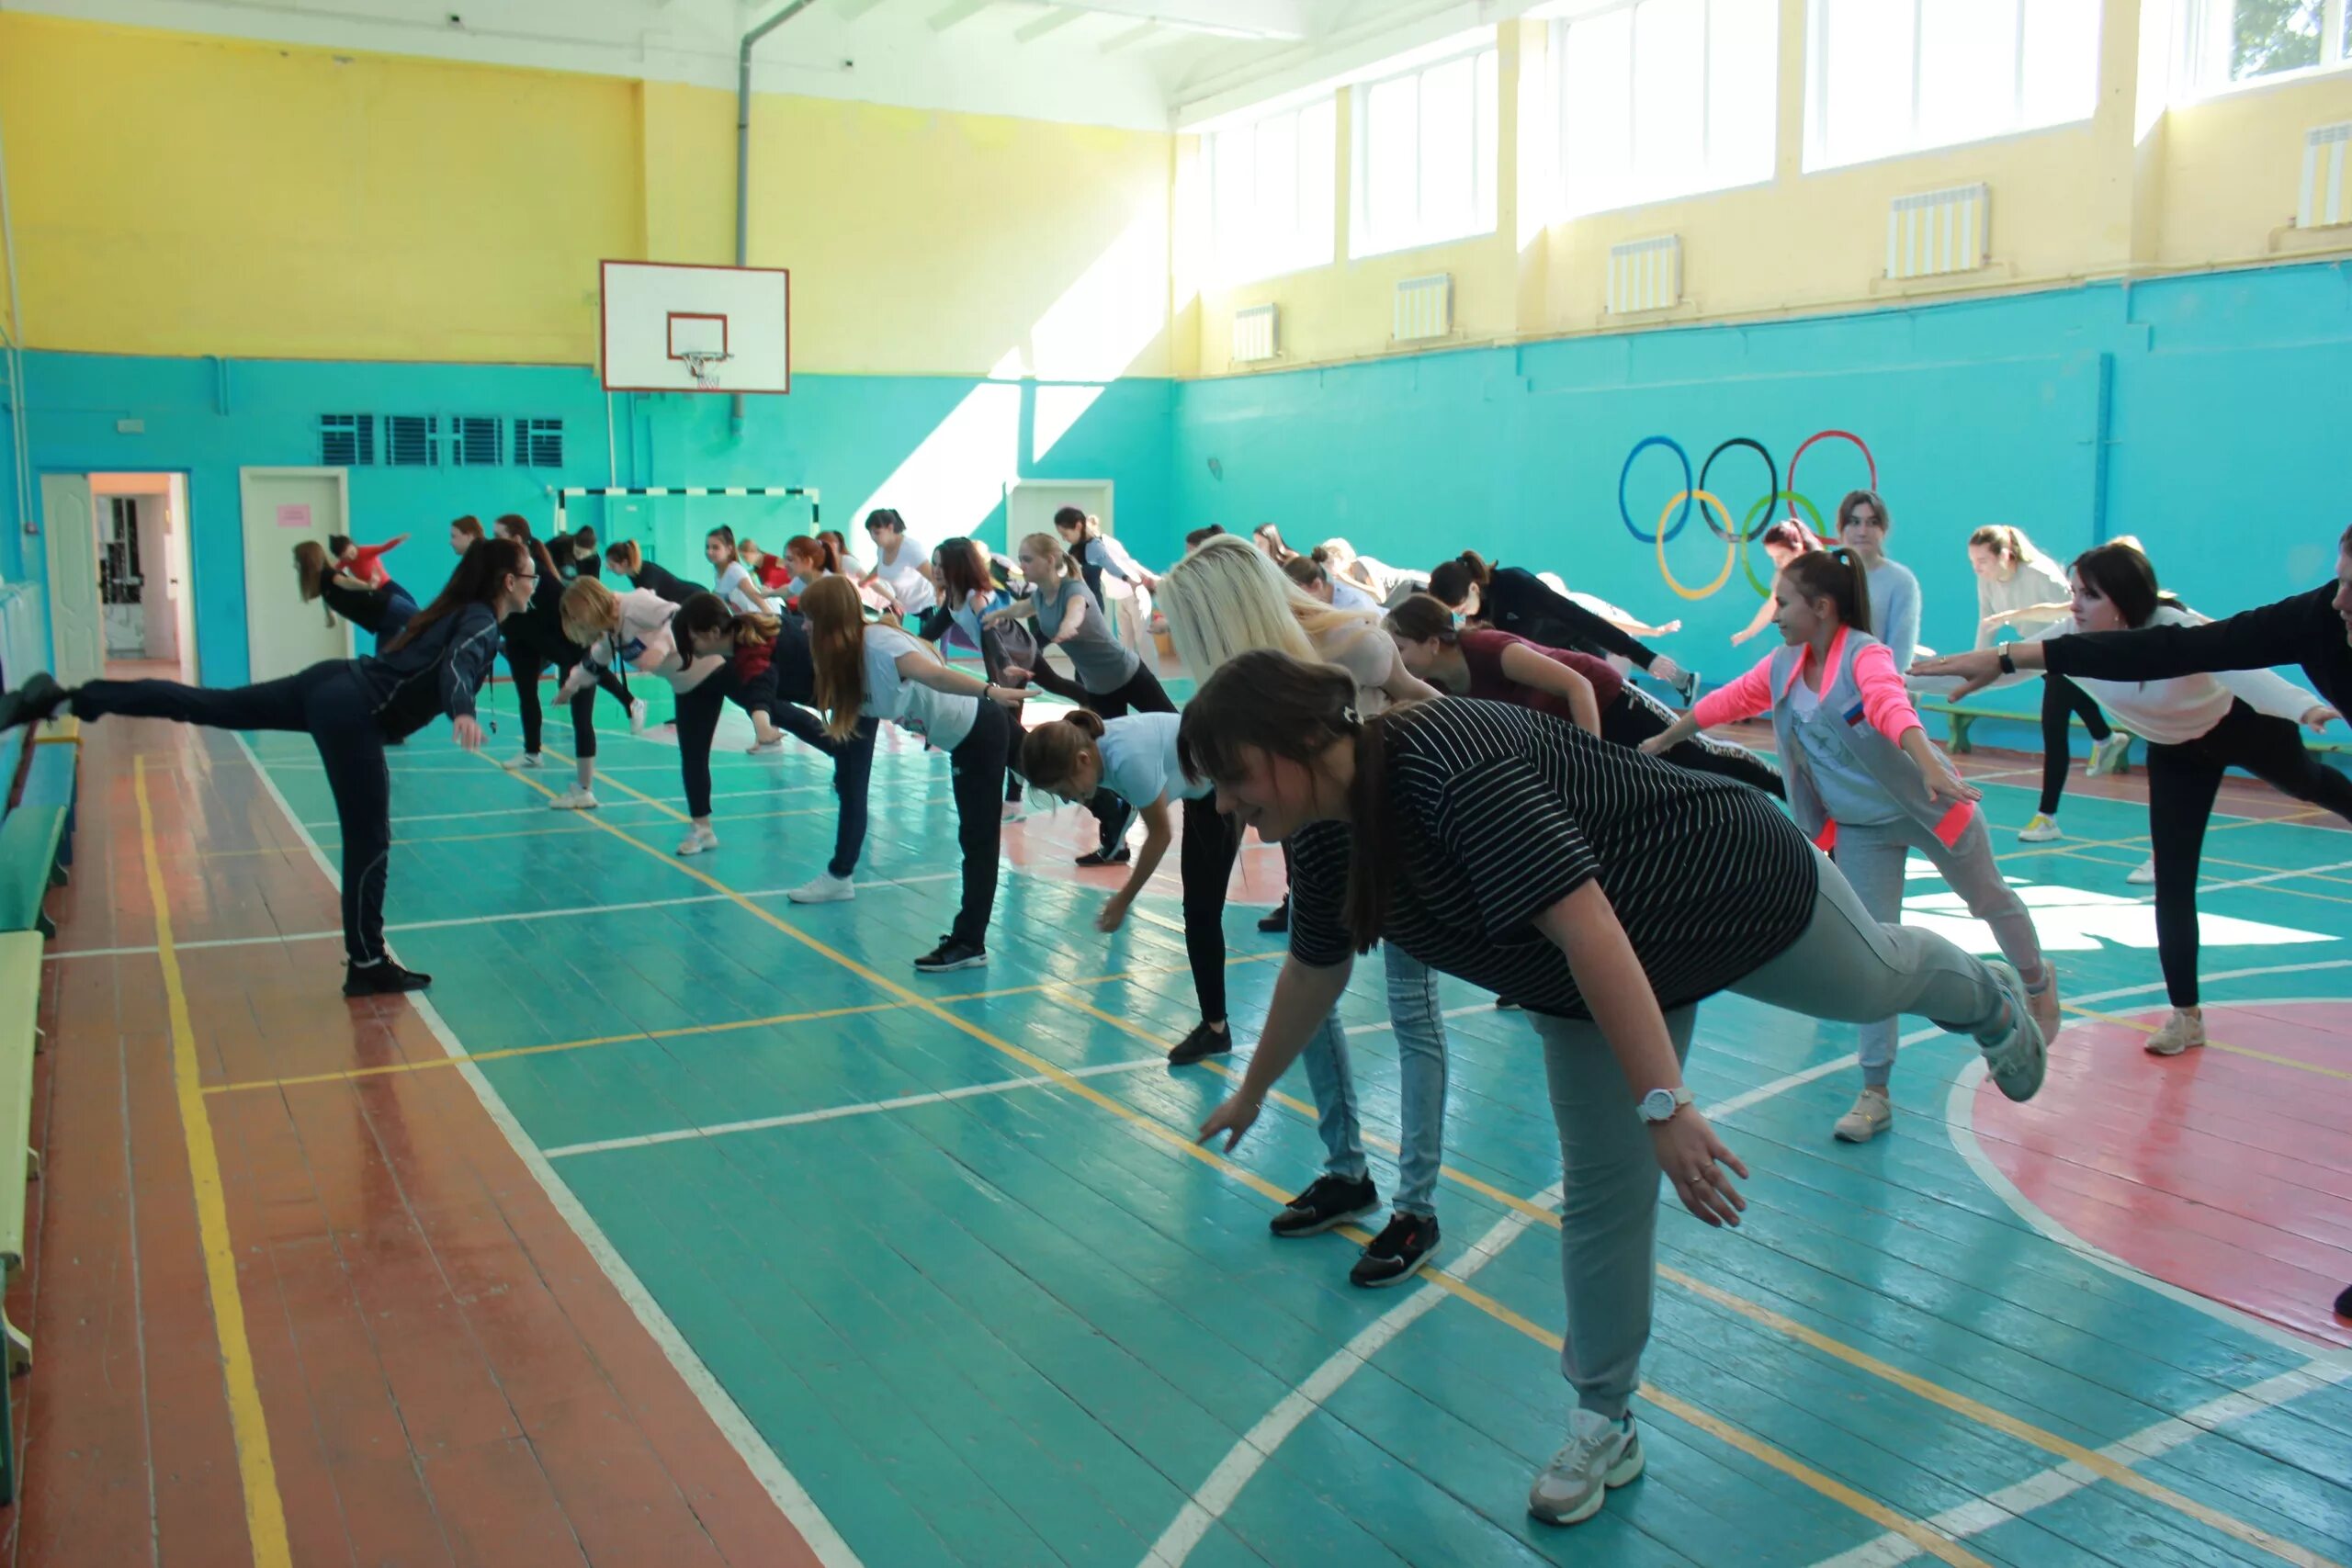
x=2222, y=1173
x=446, y=1374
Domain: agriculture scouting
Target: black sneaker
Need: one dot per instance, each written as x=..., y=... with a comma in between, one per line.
x=1397, y=1253
x=1203, y=1041
x=1504, y=1004
x=38, y=698
x=951, y=954
x=384, y=978
x=1277, y=919
x=1689, y=687
x=2344, y=1303
x=1119, y=856
x=1333, y=1201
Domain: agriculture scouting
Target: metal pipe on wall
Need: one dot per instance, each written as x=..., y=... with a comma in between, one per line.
x=14, y=342
x=743, y=152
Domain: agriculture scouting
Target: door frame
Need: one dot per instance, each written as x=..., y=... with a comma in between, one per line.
x=245, y=476
x=49, y=575
x=1108, y=487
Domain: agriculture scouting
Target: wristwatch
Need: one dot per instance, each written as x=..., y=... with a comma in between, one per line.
x=1660, y=1104
x=2009, y=665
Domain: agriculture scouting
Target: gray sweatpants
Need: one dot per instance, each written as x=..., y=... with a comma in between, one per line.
x=1874, y=856
x=1846, y=966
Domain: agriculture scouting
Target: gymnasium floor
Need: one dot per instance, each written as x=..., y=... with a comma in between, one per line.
x=679, y=1205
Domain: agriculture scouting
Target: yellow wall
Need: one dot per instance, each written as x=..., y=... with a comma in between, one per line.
x=223, y=196
x=2211, y=185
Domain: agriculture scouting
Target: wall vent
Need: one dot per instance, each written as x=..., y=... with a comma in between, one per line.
x=538, y=444
x=1940, y=231
x=1646, y=274
x=474, y=441
x=346, y=440
x=411, y=440
x=1424, y=308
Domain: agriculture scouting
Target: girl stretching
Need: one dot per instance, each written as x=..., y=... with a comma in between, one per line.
x=611, y=630
x=380, y=610
x=351, y=708
x=364, y=561
x=1867, y=785
x=731, y=579
x=1513, y=599
x=1782, y=542
x=881, y=672
x=1610, y=896
x=1587, y=691
x=534, y=640
x=1135, y=759
x=628, y=561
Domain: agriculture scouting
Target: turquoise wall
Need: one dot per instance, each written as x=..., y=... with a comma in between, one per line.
x=845, y=435
x=2201, y=415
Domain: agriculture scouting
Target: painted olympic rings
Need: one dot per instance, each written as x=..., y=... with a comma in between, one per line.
x=1860, y=444
x=1729, y=535
x=1752, y=529
x=1771, y=469
x=1688, y=486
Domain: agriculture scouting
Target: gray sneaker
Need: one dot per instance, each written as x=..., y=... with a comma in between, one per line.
x=2017, y=1059
x=1599, y=1454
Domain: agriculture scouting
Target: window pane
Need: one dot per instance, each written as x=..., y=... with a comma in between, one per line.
x=1596, y=109
x=1489, y=133
x=1743, y=90
x=1233, y=203
x=1318, y=175
x=1968, y=70
x=1278, y=179
x=1391, y=158
x=2268, y=36
x=1449, y=130
x=2060, y=61
x=1669, y=128
x=1867, y=111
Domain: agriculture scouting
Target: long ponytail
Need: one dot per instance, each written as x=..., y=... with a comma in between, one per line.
x=1838, y=576
x=1451, y=580
x=518, y=527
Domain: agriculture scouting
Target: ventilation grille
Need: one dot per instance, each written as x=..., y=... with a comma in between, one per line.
x=1940, y=231
x=538, y=444
x=1646, y=274
x=1424, y=308
x=1257, y=333
x=346, y=440
x=2319, y=200
x=474, y=441
x=411, y=440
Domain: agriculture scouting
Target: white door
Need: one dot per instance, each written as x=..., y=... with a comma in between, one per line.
x=282, y=508
x=1030, y=505
x=75, y=626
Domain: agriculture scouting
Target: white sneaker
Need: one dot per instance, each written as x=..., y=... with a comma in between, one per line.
x=2111, y=755
x=764, y=748
x=1873, y=1113
x=696, y=841
x=826, y=889
x=574, y=799
x=523, y=760
x=2018, y=1060
x=2144, y=873
x=2184, y=1031
x=2040, y=830
x=1599, y=1454
x=637, y=715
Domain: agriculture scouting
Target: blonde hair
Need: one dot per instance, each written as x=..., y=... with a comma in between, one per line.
x=589, y=610
x=2004, y=540
x=1227, y=598
x=1048, y=548
x=1335, y=551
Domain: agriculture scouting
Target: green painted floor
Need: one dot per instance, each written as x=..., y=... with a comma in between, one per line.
x=1022, y=1326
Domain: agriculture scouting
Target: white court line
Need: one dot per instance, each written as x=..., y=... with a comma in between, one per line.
x=833, y=1113
x=540, y=809
x=1981, y=1514
x=489, y=920
x=790, y=1498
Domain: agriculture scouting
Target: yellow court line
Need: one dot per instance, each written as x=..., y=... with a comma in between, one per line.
x=1182, y=1144
x=2212, y=1044
x=248, y=1425
x=2141, y=841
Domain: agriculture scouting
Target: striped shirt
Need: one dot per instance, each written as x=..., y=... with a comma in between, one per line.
x=1497, y=813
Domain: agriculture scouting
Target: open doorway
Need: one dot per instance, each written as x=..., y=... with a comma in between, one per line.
x=145, y=598
x=1029, y=508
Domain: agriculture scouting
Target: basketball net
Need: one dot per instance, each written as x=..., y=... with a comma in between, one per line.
x=703, y=367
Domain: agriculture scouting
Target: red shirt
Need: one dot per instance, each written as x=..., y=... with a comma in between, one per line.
x=1483, y=651
x=751, y=659
x=364, y=565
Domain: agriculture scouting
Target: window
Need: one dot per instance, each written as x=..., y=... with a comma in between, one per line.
x=346, y=440
x=1425, y=150
x=538, y=442
x=1661, y=98
x=1271, y=192
x=473, y=441
x=1894, y=76
x=2227, y=41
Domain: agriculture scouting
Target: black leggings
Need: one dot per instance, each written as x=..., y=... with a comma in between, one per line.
x=2061, y=698
x=2182, y=781
x=526, y=661
x=1141, y=693
x=852, y=759
x=977, y=769
x=1636, y=715
x=327, y=702
x=1205, y=858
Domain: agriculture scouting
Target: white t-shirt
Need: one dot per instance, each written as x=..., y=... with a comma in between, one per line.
x=1346, y=595
x=1140, y=762
x=741, y=589
x=1367, y=653
x=901, y=573
x=942, y=718
x=643, y=640
x=2174, y=712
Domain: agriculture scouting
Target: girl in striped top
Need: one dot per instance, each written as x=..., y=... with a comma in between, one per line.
x=1868, y=786
x=1610, y=894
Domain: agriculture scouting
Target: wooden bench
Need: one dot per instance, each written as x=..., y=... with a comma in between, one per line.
x=20, y=954
x=29, y=840
x=49, y=781
x=1963, y=715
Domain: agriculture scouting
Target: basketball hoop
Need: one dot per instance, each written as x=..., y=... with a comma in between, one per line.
x=703, y=364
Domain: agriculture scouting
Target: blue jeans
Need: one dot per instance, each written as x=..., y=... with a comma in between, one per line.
x=1421, y=1075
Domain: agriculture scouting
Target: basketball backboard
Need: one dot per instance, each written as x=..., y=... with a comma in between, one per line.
x=676, y=327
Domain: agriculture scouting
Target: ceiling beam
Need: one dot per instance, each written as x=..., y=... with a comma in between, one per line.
x=1052, y=21
x=956, y=14
x=1131, y=38
x=1281, y=21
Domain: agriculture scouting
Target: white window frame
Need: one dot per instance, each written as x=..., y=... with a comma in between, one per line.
x=1572, y=203
x=1313, y=243
x=1485, y=184
x=1817, y=108
x=2201, y=69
